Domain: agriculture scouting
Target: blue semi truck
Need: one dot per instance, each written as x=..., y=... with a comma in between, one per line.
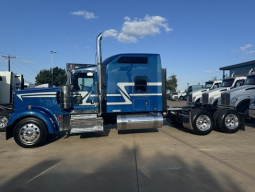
x=127, y=90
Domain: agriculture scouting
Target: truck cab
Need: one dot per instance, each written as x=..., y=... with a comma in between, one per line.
x=195, y=97
x=210, y=98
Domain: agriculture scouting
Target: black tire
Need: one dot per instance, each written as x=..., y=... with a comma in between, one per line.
x=215, y=118
x=4, y=117
x=202, y=122
x=229, y=121
x=174, y=122
x=30, y=132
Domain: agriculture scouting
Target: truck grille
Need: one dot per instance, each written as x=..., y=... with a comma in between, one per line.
x=205, y=98
x=225, y=98
x=190, y=97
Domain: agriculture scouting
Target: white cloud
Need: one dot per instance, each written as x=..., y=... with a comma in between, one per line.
x=110, y=33
x=245, y=47
x=85, y=14
x=132, y=29
x=251, y=52
x=126, y=38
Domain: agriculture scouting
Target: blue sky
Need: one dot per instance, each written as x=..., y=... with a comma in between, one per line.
x=194, y=37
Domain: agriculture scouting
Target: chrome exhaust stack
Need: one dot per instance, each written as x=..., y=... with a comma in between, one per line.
x=99, y=63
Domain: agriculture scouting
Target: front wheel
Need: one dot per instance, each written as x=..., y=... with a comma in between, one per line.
x=30, y=132
x=202, y=122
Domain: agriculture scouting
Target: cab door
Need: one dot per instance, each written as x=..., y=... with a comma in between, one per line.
x=85, y=92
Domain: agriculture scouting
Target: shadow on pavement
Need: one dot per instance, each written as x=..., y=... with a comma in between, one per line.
x=131, y=131
x=127, y=172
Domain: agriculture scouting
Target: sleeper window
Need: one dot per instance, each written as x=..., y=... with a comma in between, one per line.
x=140, y=84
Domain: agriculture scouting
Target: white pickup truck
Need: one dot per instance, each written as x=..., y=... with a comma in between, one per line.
x=211, y=97
x=195, y=97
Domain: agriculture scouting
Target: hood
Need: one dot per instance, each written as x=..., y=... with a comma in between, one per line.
x=198, y=92
x=243, y=91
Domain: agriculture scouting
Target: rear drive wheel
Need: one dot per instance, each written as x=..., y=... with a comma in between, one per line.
x=174, y=121
x=30, y=132
x=229, y=121
x=202, y=122
x=215, y=118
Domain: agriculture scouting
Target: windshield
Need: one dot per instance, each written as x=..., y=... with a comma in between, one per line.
x=227, y=83
x=250, y=80
x=208, y=84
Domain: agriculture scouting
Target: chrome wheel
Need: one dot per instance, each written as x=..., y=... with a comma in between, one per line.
x=231, y=121
x=203, y=123
x=29, y=134
x=3, y=121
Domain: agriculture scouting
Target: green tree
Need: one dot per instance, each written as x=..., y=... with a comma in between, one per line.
x=171, y=83
x=45, y=76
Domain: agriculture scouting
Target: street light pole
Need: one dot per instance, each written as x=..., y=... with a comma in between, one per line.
x=52, y=52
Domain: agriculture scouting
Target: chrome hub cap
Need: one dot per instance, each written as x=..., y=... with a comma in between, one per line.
x=3, y=121
x=231, y=121
x=203, y=123
x=29, y=134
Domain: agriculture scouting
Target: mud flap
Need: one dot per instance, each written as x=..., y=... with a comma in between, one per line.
x=242, y=121
x=9, y=132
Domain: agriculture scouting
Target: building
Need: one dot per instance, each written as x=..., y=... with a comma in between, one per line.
x=240, y=68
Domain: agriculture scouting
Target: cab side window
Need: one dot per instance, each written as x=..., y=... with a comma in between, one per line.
x=83, y=81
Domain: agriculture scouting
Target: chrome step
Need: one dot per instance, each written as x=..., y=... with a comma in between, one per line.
x=83, y=123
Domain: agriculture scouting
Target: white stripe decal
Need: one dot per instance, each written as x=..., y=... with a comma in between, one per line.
x=127, y=97
x=41, y=94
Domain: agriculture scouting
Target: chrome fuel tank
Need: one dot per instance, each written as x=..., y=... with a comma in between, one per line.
x=140, y=121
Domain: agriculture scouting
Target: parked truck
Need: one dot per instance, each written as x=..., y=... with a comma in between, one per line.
x=239, y=98
x=210, y=98
x=9, y=82
x=127, y=91
x=194, y=98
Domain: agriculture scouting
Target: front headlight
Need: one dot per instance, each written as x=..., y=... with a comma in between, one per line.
x=234, y=100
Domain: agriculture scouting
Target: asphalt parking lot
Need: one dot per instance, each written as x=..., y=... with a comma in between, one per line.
x=165, y=159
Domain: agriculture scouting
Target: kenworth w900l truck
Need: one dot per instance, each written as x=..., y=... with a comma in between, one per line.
x=127, y=90
x=210, y=98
